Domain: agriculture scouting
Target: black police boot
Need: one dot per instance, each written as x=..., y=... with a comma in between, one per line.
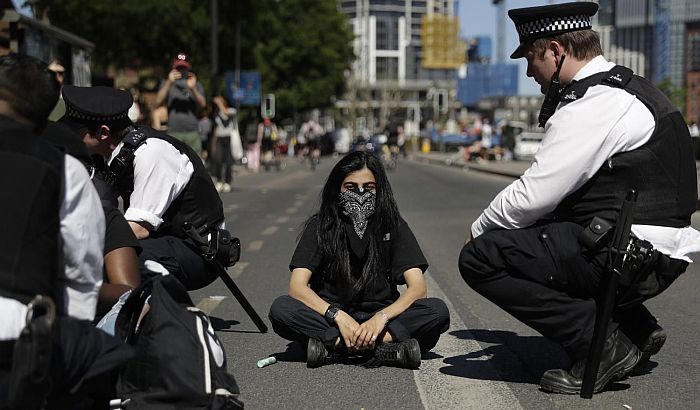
x=619, y=357
x=649, y=346
x=404, y=354
x=317, y=354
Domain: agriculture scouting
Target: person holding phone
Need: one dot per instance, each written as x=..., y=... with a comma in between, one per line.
x=183, y=96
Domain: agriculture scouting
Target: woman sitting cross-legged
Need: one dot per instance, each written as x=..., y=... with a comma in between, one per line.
x=343, y=297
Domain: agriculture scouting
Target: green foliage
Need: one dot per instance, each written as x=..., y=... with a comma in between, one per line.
x=134, y=32
x=301, y=47
x=676, y=95
x=304, y=53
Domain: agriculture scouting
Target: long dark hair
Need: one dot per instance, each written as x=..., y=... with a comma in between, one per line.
x=330, y=233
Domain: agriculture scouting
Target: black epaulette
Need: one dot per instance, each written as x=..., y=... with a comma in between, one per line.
x=617, y=77
x=121, y=164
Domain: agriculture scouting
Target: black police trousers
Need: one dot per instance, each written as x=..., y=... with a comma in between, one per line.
x=180, y=257
x=543, y=277
x=425, y=320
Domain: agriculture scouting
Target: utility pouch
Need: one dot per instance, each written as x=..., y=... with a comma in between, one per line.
x=220, y=246
x=30, y=383
x=223, y=248
x=638, y=280
x=596, y=234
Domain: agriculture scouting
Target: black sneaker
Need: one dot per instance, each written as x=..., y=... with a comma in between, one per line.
x=316, y=353
x=404, y=354
x=618, y=359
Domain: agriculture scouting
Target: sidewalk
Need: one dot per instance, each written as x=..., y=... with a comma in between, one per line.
x=513, y=169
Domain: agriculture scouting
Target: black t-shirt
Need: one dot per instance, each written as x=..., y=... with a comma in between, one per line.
x=404, y=254
x=118, y=233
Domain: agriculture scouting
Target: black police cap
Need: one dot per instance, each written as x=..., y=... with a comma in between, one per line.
x=532, y=23
x=97, y=106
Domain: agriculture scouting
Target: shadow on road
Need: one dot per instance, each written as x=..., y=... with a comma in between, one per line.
x=510, y=357
x=222, y=325
x=295, y=353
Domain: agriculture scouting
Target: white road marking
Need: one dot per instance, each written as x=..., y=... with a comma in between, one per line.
x=207, y=305
x=282, y=219
x=269, y=230
x=291, y=210
x=255, y=246
x=236, y=270
x=440, y=391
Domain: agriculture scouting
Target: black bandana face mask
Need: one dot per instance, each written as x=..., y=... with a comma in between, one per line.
x=358, y=205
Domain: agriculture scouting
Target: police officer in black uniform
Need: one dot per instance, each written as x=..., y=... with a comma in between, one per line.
x=540, y=249
x=167, y=194
x=50, y=256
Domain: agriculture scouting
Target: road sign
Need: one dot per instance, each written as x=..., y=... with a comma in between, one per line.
x=248, y=91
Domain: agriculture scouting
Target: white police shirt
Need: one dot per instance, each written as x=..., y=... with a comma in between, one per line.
x=83, y=232
x=161, y=173
x=574, y=147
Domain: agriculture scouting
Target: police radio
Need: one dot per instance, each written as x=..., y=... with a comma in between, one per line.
x=551, y=99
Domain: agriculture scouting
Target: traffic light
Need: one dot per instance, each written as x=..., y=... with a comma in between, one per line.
x=441, y=102
x=267, y=109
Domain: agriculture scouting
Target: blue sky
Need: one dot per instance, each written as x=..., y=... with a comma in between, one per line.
x=478, y=18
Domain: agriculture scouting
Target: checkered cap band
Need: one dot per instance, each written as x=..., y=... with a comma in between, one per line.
x=73, y=113
x=554, y=25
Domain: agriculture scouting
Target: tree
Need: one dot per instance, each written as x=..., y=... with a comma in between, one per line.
x=304, y=53
x=676, y=95
x=302, y=48
x=134, y=32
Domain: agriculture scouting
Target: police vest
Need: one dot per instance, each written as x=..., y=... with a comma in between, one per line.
x=31, y=179
x=198, y=204
x=662, y=171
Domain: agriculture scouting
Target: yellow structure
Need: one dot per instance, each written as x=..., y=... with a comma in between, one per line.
x=442, y=47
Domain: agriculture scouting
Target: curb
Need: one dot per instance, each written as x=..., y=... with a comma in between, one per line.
x=478, y=168
x=470, y=167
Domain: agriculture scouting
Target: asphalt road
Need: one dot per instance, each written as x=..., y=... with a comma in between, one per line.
x=486, y=360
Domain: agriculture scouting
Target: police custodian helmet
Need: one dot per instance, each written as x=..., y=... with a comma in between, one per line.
x=91, y=106
x=532, y=23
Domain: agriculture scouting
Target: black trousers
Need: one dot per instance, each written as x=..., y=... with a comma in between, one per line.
x=180, y=257
x=223, y=159
x=543, y=277
x=425, y=320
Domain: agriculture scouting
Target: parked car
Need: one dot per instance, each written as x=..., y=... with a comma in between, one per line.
x=452, y=142
x=526, y=145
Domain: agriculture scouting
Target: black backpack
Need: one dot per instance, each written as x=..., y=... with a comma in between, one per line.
x=180, y=363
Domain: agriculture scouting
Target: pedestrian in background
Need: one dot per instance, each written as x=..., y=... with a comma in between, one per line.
x=222, y=157
x=253, y=142
x=183, y=96
x=343, y=300
x=60, y=72
x=695, y=135
x=606, y=132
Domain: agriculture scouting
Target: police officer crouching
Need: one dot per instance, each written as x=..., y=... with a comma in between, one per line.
x=168, y=197
x=540, y=250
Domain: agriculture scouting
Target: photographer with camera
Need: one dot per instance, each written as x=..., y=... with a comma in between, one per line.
x=169, y=199
x=183, y=96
